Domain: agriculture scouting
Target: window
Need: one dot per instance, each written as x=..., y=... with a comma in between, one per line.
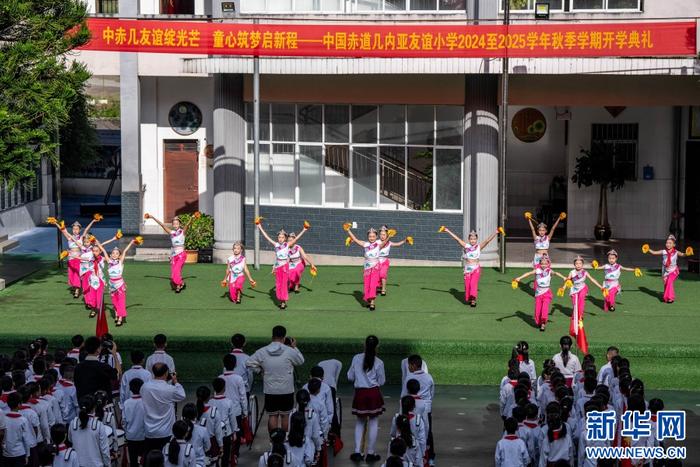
x=634, y=5
x=318, y=5
x=620, y=140
x=423, y=4
x=395, y=156
x=107, y=7
x=177, y=7
x=529, y=5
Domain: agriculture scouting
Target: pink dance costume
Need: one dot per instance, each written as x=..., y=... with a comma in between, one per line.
x=612, y=285
x=472, y=271
x=541, y=243
x=578, y=294
x=543, y=295
x=74, y=262
x=117, y=287
x=281, y=269
x=670, y=273
x=236, y=277
x=384, y=262
x=177, y=257
x=97, y=284
x=297, y=265
x=86, y=266
x=371, y=270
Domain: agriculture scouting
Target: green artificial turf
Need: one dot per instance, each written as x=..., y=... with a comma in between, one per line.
x=423, y=312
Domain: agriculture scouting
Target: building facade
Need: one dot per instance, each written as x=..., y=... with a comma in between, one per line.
x=410, y=143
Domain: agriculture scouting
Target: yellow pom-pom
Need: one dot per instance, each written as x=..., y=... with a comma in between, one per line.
x=63, y=255
x=347, y=226
x=313, y=271
x=605, y=292
x=689, y=251
x=138, y=240
x=51, y=220
x=223, y=283
x=560, y=292
x=97, y=216
x=502, y=231
x=562, y=216
x=91, y=238
x=391, y=233
x=528, y=215
x=637, y=272
x=146, y=216
x=61, y=225
x=119, y=234
x=409, y=240
x=568, y=284
x=645, y=248
x=258, y=220
x=595, y=264
x=307, y=225
x=348, y=240
x=514, y=284
x=441, y=229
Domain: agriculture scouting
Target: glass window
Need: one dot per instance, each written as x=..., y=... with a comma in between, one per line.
x=364, y=177
x=369, y=5
x=392, y=174
x=177, y=7
x=283, y=177
x=337, y=174
x=332, y=5
x=516, y=5
x=279, y=5
x=265, y=174
x=619, y=141
x=587, y=4
x=107, y=7
x=420, y=124
x=395, y=5
x=283, y=122
x=449, y=124
x=553, y=4
x=310, y=174
x=310, y=118
x=307, y=5
x=623, y=4
x=253, y=5
x=423, y=4
x=264, y=121
x=420, y=178
x=392, y=124
x=337, y=123
x=453, y=5
x=448, y=178
x=364, y=124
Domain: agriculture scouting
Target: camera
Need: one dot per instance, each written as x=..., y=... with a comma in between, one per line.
x=107, y=345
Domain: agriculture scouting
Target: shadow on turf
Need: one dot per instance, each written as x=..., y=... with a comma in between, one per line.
x=652, y=293
x=525, y=317
x=527, y=288
x=357, y=294
x=458, y=294
x=168, y=278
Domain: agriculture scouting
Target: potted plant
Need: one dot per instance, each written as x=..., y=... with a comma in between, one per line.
x=596, y=166
x=200, y=235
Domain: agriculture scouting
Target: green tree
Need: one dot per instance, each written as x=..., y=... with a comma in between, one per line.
x=38, y=84
x=79, y=140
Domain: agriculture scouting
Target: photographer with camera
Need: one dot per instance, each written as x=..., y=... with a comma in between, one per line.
x=277, y=361
x=159, y=397
x=92, y=375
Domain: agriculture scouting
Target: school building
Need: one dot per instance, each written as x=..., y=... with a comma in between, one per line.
x=412, y=143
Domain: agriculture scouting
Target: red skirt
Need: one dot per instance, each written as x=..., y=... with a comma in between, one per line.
x=368, y=402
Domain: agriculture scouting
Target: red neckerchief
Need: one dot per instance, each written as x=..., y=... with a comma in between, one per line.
x=530, y=424
x=24, y=407
x=556, y=434
x=206, y=409
x=513, y=382
x=510, y=437
x=136, y=397
x=219, y=397
x=411, y=416
x=237, y=351
x=521, y=358
x=669, y=253
x=14, y=415
x=34, y=401
x=416, y=397
x=65, y=383
x=653, y=418
x=62, y=447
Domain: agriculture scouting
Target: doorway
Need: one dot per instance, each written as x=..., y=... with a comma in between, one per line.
x=692, y=191
x=181, y=177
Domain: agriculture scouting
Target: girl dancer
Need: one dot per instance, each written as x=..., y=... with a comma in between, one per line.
x=543, y=295
x=384, y=234
x=579, y=290
x=613, y=270
x=297, y=263
x=541, y=237
x=115, y=270
x=669, y=267
x=236, y=272
x=470, y=259
x=371, y=248
x=367, y=373
x=74, y=239
x=177, y=252
x=281, y=266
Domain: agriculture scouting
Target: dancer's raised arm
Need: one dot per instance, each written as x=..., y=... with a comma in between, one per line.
x=194, y=216
x=490, y=238
x=347, y=228
x=123, y=255
x=531, y=224
x=562, y=216
x=461, y=242
x=264, y=234
x=162, y=226
x=292, y=241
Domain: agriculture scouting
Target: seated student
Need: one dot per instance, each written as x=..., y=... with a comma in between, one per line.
x=210, y=418
x=136, y=371
x=410, y=428
x=160, y=342
x=317, y=403
x=511, y=450
x=78, y=340
x=279, y=451
x=606, y=371
x=198, y=435
x=178, y=452
x=89, y=436
x=224, y=406
x=66, y=394
x=62, y=455
x=556, y=444
x=237, y=345
x=133, y=415
x=300, y=447
x=18, y=435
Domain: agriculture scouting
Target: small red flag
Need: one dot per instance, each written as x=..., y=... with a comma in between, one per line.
x=581, y=340
x=101, y=326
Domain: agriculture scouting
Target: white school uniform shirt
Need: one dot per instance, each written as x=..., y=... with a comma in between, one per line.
x=289, y=460
x=405, y=372
x=373, y=378
x=91, y=443
x=224, y=406
x=605, y=373
x=420, y=410
x=236, y=392
x=331, y=371
x=74, y=353
x=583, y=461
x=304, y=454
x=529, y=432
x=312, y=430
x=529, y=368
x=136, y=371
x=324, y=418
x=54, y=407
x=160, y=356
x=242, y=370
x=133, y=416
x=419, y=432
x=159, y=400
x=18, y=435
x=65, y=457
x=427, y=387
x=559, y=449
x=326, y=395
x=572, y=366
x=185, y=458
x=505, y=396
x=213, y=421
x=67, y=399
x=201, y=443
x=511, y=451
x=42, y=410
x=35, y=433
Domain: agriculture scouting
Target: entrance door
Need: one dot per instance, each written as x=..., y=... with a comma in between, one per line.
x=181, y=177
x=692, y=191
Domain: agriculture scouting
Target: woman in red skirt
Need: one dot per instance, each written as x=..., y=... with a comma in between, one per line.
x=367, y=373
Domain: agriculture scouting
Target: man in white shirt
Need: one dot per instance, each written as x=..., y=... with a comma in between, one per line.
x=159, y=399
x=565, y=361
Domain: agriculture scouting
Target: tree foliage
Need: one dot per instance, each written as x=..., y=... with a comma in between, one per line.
x=79, y=140
x=39, y=84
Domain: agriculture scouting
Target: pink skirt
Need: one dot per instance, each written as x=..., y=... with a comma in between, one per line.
x=384, y=269
x=74, y=272
x=295, y=274
x=368, y=402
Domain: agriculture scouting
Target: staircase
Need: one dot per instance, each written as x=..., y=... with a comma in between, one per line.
x=154, y=248
x=6, y=244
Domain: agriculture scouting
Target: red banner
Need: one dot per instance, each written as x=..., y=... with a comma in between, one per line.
x=408, y=40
